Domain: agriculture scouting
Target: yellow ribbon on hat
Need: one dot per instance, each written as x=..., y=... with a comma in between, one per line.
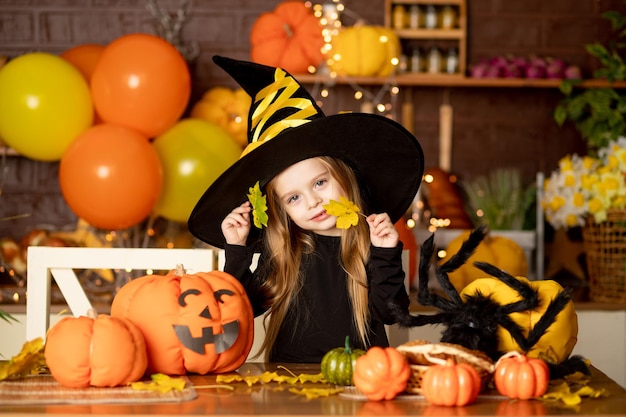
x=272, y=98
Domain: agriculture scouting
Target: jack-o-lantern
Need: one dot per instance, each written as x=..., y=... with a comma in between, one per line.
x=199, y=323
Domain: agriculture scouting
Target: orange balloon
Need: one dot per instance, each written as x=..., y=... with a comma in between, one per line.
x=141, y=82
x=111, y=176
x=84, y=58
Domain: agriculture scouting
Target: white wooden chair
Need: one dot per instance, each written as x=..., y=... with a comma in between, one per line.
x=47, y=263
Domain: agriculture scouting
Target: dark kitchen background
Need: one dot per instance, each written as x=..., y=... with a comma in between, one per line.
x=493, y=127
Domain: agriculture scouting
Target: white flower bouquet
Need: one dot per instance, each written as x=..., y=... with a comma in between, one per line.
x=585, y=186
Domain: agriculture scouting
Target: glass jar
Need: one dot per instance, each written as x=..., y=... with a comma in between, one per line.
x=415, y=17
x=399, y=17
x=433, y=60
x=431, y=19
x=452, y=61
x=417, y=62
x=448, y=17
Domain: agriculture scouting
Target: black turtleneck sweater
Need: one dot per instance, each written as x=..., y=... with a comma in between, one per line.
x=324, y=314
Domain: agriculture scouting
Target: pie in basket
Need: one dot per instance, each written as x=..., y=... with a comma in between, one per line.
x=418, y=352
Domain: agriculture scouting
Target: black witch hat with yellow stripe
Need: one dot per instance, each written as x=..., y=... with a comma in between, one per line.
x=286, y=126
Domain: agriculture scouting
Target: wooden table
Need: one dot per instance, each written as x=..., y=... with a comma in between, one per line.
x=275, y=399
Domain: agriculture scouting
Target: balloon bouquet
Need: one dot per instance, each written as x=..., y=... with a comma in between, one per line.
x=111, y=114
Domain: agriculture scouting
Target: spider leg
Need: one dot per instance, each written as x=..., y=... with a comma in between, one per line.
x=529, y=295
x=547, y=319
x=530, y=301
x=466, y=250
x=405, y=319
x=424, y=295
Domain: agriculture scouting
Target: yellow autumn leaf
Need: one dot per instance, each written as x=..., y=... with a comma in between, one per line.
x=346, y=211
x=161, y=383
x=311, y=393
x=267, y=377
x=563, y=391
x=30, y=360
x=259, y=206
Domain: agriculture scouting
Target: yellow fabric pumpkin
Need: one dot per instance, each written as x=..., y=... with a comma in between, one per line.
x=227, y=108
x=557, y=343
x=364, y=51
x=499, y=251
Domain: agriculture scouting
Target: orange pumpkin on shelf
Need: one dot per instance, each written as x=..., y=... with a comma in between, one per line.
x=200, y=323
x=100, y=351
x=227, y=108
x=290, y=37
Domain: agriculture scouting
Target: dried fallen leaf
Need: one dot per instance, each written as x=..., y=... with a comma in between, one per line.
x=267, y=377
x=312, y=393
x=259, y=206
x=161, y=383
x=346, y=211
x=30, y=360
x=572, y=390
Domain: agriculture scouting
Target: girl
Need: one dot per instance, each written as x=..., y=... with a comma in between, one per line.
x=318, y=282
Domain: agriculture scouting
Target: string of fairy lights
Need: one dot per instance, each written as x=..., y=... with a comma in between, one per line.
x=382, y=101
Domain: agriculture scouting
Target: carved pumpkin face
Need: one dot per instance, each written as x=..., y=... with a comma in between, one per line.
x=200, y=323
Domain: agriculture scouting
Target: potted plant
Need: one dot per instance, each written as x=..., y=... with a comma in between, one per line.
x=599, y=114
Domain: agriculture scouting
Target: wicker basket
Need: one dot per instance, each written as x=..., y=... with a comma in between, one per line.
x=605, y=247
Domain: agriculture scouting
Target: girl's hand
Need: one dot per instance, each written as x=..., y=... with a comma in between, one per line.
x=383, y=233
x=236, y=226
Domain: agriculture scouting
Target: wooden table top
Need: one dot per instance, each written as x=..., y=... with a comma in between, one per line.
x=274, y=399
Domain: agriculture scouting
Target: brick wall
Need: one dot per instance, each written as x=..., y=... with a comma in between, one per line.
x=493, y=127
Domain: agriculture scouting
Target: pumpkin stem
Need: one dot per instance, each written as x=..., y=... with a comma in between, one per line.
x=511, y=354
x=92, y=313
x=288, y=30
x=180, y=270
x=348, y=349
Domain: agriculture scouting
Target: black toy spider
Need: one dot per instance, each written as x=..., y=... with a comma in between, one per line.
x=473, y=321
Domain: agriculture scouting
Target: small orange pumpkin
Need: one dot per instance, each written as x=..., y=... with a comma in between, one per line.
x=201, y=323
x=381, y=374
x=290, y=37
x=100, y=351
x=518, y=376
x=450, y=384
x=227, y=108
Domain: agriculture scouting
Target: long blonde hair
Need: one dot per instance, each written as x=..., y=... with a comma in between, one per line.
x=286, y=244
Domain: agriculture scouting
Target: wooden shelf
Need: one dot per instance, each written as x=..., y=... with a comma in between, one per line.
x=417, y=36
x=454, y=34
x=9, y=151
x=454, y=80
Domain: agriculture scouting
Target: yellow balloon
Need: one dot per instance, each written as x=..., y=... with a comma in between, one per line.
x=44, y=105
x=193, y=154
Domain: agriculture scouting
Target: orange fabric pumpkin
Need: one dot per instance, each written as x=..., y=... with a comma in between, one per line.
x=101, y=351
x=381, y=374
x=290, y=37
x=201, y=323
x=451, y=384
x=518, y=376
x=227, y=108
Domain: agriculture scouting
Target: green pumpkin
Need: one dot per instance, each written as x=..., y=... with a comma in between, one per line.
x=338, y=364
